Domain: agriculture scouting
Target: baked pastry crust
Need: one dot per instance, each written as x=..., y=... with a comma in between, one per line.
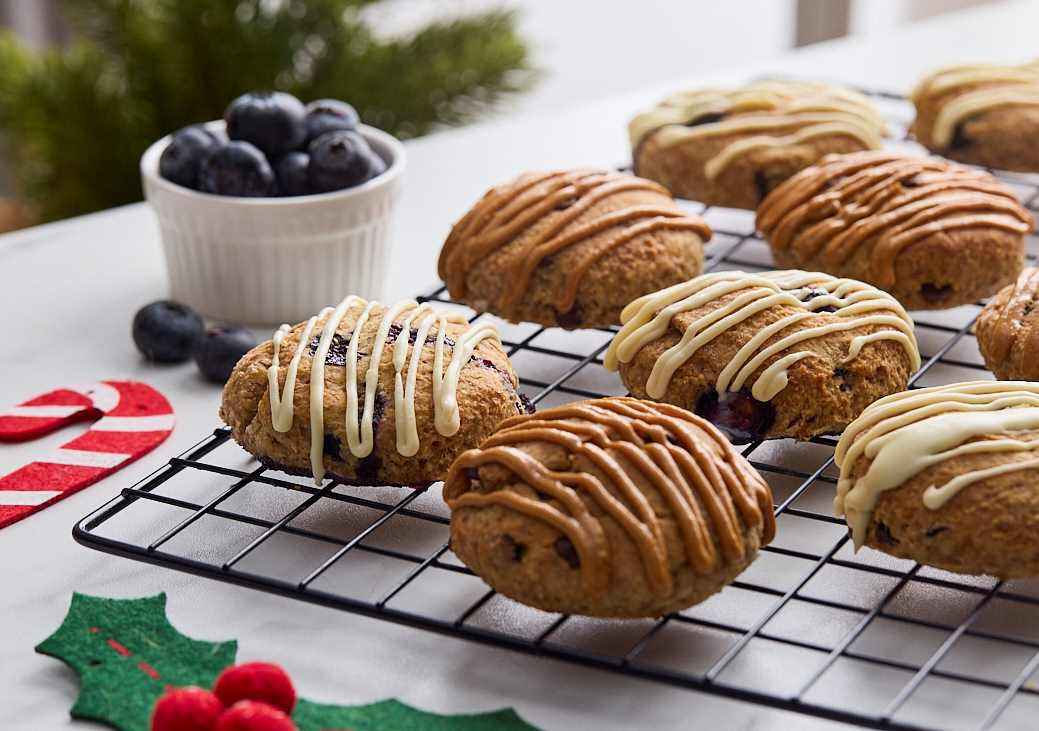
x=784, y=354
x=730, y=147
x=917, y=227
x=1008, y=330
x=946, y=476
x=570, y=248
x=399, y=423
x=613, y=507
x=984, y=114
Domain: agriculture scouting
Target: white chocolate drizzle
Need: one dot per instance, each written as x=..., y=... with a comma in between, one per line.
x=985, y=87
x=857, y=304
x=360, y=428
x=905, y=433
x=764, y=114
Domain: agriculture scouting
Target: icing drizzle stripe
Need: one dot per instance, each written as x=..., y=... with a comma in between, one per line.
x=360, y=428
x=857, y=305
x=713, y=494
x=908, y=432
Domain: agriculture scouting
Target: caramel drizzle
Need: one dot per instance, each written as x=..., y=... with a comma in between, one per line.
x=858, y=306
x=905, y=433
x=507, y=214
x=765, y=114
x=826, y=212
x=712, y=493
x=1009, y=329
x=982, y=87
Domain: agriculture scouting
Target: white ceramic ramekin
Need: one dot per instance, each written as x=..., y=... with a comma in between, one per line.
x=273, y=260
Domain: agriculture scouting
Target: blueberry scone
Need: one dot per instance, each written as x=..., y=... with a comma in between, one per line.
x=984, y=114
x=611, y=508
x=570, y=248
x=761, y=356
x=1008, y=329
x=932, y=233
x=370, y=394
x=947, y=476
x=730, y=147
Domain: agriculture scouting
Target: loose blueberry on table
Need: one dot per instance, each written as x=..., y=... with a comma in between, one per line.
x=274, y=146
x=166, y=332
x=220, y=349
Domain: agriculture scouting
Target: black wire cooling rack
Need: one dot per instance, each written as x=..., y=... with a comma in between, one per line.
x=811, y=626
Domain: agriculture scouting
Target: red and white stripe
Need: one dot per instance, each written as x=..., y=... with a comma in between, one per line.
x=134, y=419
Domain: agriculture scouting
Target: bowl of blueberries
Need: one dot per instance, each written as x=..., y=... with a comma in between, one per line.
x=274, y=212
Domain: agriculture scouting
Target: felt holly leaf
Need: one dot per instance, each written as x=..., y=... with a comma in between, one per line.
x=126, y=654
x=392, y=715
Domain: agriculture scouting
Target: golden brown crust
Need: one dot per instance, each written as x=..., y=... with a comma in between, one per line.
x=486, y=396
x=915, y=227
x=612, y=507
x=1008, y=329
x=570, y=248
x=990, y=527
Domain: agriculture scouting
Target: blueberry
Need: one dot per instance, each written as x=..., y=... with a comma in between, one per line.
x=291, y=172
x=220, y=349
x=271, y=120
x=166, y=332
x=183, y=157
x=741, y=416
x=329, y=115
x=239, y=169
x=342, y=160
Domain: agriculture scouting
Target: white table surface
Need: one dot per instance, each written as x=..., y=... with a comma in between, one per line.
x=70, y=289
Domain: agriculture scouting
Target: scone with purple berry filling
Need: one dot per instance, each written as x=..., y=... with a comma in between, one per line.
x=370, y=394
x=762, y=356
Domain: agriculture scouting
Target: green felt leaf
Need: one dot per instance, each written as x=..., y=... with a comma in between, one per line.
x=392, y=715
x=126, y=654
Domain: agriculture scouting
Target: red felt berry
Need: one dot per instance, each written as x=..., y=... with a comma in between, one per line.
x=186, y=709
x=254, y=716
x=256, y=681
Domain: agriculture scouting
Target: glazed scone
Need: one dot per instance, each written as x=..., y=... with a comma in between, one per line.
x=762, y=356
x=401, y=391
x=1008, y=330
x=570, y=248
x=947, y=476
x=932, y=233
x=982, y=114
x=730, y=147
x=610, y=508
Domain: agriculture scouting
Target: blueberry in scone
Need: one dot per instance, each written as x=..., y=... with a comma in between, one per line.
x=777, y=354
x=932, y=233
x=371, y=394
x=984, y=114
x=947, y=476
x=1008, y=330
x=570, y=248
x=730, y=147
x=613, y=507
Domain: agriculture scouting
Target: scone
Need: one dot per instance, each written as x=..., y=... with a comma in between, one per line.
x=947, y=476
x=762, y=356
x=932, y=233
x=1008, y=330
x=611, y=508
x=570, y=248
x=984, y=114
x=370, y=394
x=730, y=147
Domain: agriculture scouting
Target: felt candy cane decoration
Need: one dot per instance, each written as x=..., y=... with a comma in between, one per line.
x=134, y=419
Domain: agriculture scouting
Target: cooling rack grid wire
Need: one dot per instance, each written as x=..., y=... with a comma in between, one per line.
x=810, y=626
